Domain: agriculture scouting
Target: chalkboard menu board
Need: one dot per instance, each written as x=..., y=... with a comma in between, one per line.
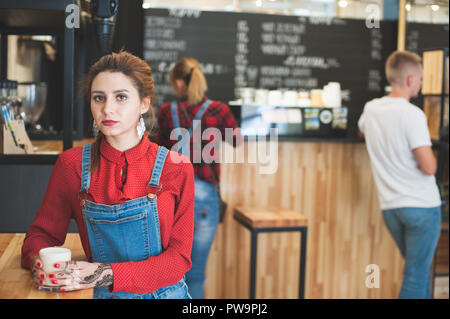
x=270, y=51
x=424, y=36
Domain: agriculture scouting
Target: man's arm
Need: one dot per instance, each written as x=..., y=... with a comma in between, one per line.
x=426, y=159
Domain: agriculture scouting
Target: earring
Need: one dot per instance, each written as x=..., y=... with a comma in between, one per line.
x=95, y=129
x=141, y=127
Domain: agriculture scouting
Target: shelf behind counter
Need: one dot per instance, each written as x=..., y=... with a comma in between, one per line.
x=45, y=153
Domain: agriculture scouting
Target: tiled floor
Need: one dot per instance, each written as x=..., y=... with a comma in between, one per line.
x=441, y=288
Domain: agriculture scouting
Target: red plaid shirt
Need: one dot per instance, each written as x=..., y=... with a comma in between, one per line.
x=217, y=115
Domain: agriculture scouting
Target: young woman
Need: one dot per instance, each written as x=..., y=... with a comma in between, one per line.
x=133, y=205
x=193, y=107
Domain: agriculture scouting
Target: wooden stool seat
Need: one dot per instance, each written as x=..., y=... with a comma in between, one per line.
x=271, y=219
x=254, y=217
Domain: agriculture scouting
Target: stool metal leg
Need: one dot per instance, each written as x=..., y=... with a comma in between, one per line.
x=253, y=249
x=301, y=294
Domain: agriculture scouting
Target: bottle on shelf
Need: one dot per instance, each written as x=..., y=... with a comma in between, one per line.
x=16, y=100
x=4, y=101
x=10, y=99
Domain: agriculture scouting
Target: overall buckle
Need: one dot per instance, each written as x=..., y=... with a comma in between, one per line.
x=156, y=189
x=82, y=200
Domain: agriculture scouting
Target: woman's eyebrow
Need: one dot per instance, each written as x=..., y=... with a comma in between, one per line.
x=116, y=91
x=121, y=90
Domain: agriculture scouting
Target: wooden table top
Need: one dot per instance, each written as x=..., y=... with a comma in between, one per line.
x=16, y=282
x=256, y=217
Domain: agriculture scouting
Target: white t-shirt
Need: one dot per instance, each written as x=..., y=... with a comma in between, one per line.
x=393, y=127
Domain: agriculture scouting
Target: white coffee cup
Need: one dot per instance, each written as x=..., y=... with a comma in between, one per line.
x=290, y=98
x=247, y=95
x=274, y=98
x=261, y=96
x=49, y=257
x=332, y=94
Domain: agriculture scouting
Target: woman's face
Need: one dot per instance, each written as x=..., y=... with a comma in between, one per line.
x=116, y=105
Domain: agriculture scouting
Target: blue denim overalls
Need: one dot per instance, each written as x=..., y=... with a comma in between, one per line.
x=206, y=216
x=126, y=232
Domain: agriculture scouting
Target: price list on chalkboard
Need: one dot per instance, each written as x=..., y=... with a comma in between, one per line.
x=172, y=34
x=307, y=53
x=425, y=36
x=238, y=50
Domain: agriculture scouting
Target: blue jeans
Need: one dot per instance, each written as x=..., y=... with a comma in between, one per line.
x=416, y=232
x=206, y=219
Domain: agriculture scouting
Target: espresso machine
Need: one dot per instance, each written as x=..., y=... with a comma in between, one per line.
x=40, y=93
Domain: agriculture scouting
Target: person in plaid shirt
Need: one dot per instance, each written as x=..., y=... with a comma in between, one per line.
x=189, y=84
x=218, y=115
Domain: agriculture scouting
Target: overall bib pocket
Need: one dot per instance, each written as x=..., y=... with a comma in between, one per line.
x=120, y=238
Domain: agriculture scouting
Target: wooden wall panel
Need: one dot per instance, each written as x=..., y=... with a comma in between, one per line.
x=432, y=110
x=433, y=72
x=332, y=185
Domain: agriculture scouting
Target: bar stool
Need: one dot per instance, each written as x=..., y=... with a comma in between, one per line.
x=264, y=220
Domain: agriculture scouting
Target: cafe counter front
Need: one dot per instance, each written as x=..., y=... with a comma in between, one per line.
x=350, y=253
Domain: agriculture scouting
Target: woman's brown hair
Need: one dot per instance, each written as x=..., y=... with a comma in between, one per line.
x=139, y=73
x=189, y=70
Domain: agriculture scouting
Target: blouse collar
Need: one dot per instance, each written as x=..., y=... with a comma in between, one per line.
x=131, y=155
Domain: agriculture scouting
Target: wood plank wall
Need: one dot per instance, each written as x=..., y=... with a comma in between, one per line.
x=332, y=185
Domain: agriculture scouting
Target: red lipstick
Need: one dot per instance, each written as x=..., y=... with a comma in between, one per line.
x=109, y=122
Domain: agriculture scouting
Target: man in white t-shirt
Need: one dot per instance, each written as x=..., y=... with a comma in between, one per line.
x=403, y=166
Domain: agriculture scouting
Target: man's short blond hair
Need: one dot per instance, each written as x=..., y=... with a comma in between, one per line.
x=398, y=64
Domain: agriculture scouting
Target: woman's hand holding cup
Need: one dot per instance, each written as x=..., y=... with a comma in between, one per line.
x=51, y=263
x=53, y=270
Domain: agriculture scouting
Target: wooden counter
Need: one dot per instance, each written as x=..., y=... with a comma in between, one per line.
x=16, y=282
x=331, y=184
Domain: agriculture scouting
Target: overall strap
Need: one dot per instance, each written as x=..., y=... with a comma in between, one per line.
x=182, y=149
x=176, y=122
x=85, y=172
x=158, y=167
x=199, y=115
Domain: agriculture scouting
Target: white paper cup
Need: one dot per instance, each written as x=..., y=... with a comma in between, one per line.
x=261, y=96
x=290, y=98
x=50, y=256
x=274, y=98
